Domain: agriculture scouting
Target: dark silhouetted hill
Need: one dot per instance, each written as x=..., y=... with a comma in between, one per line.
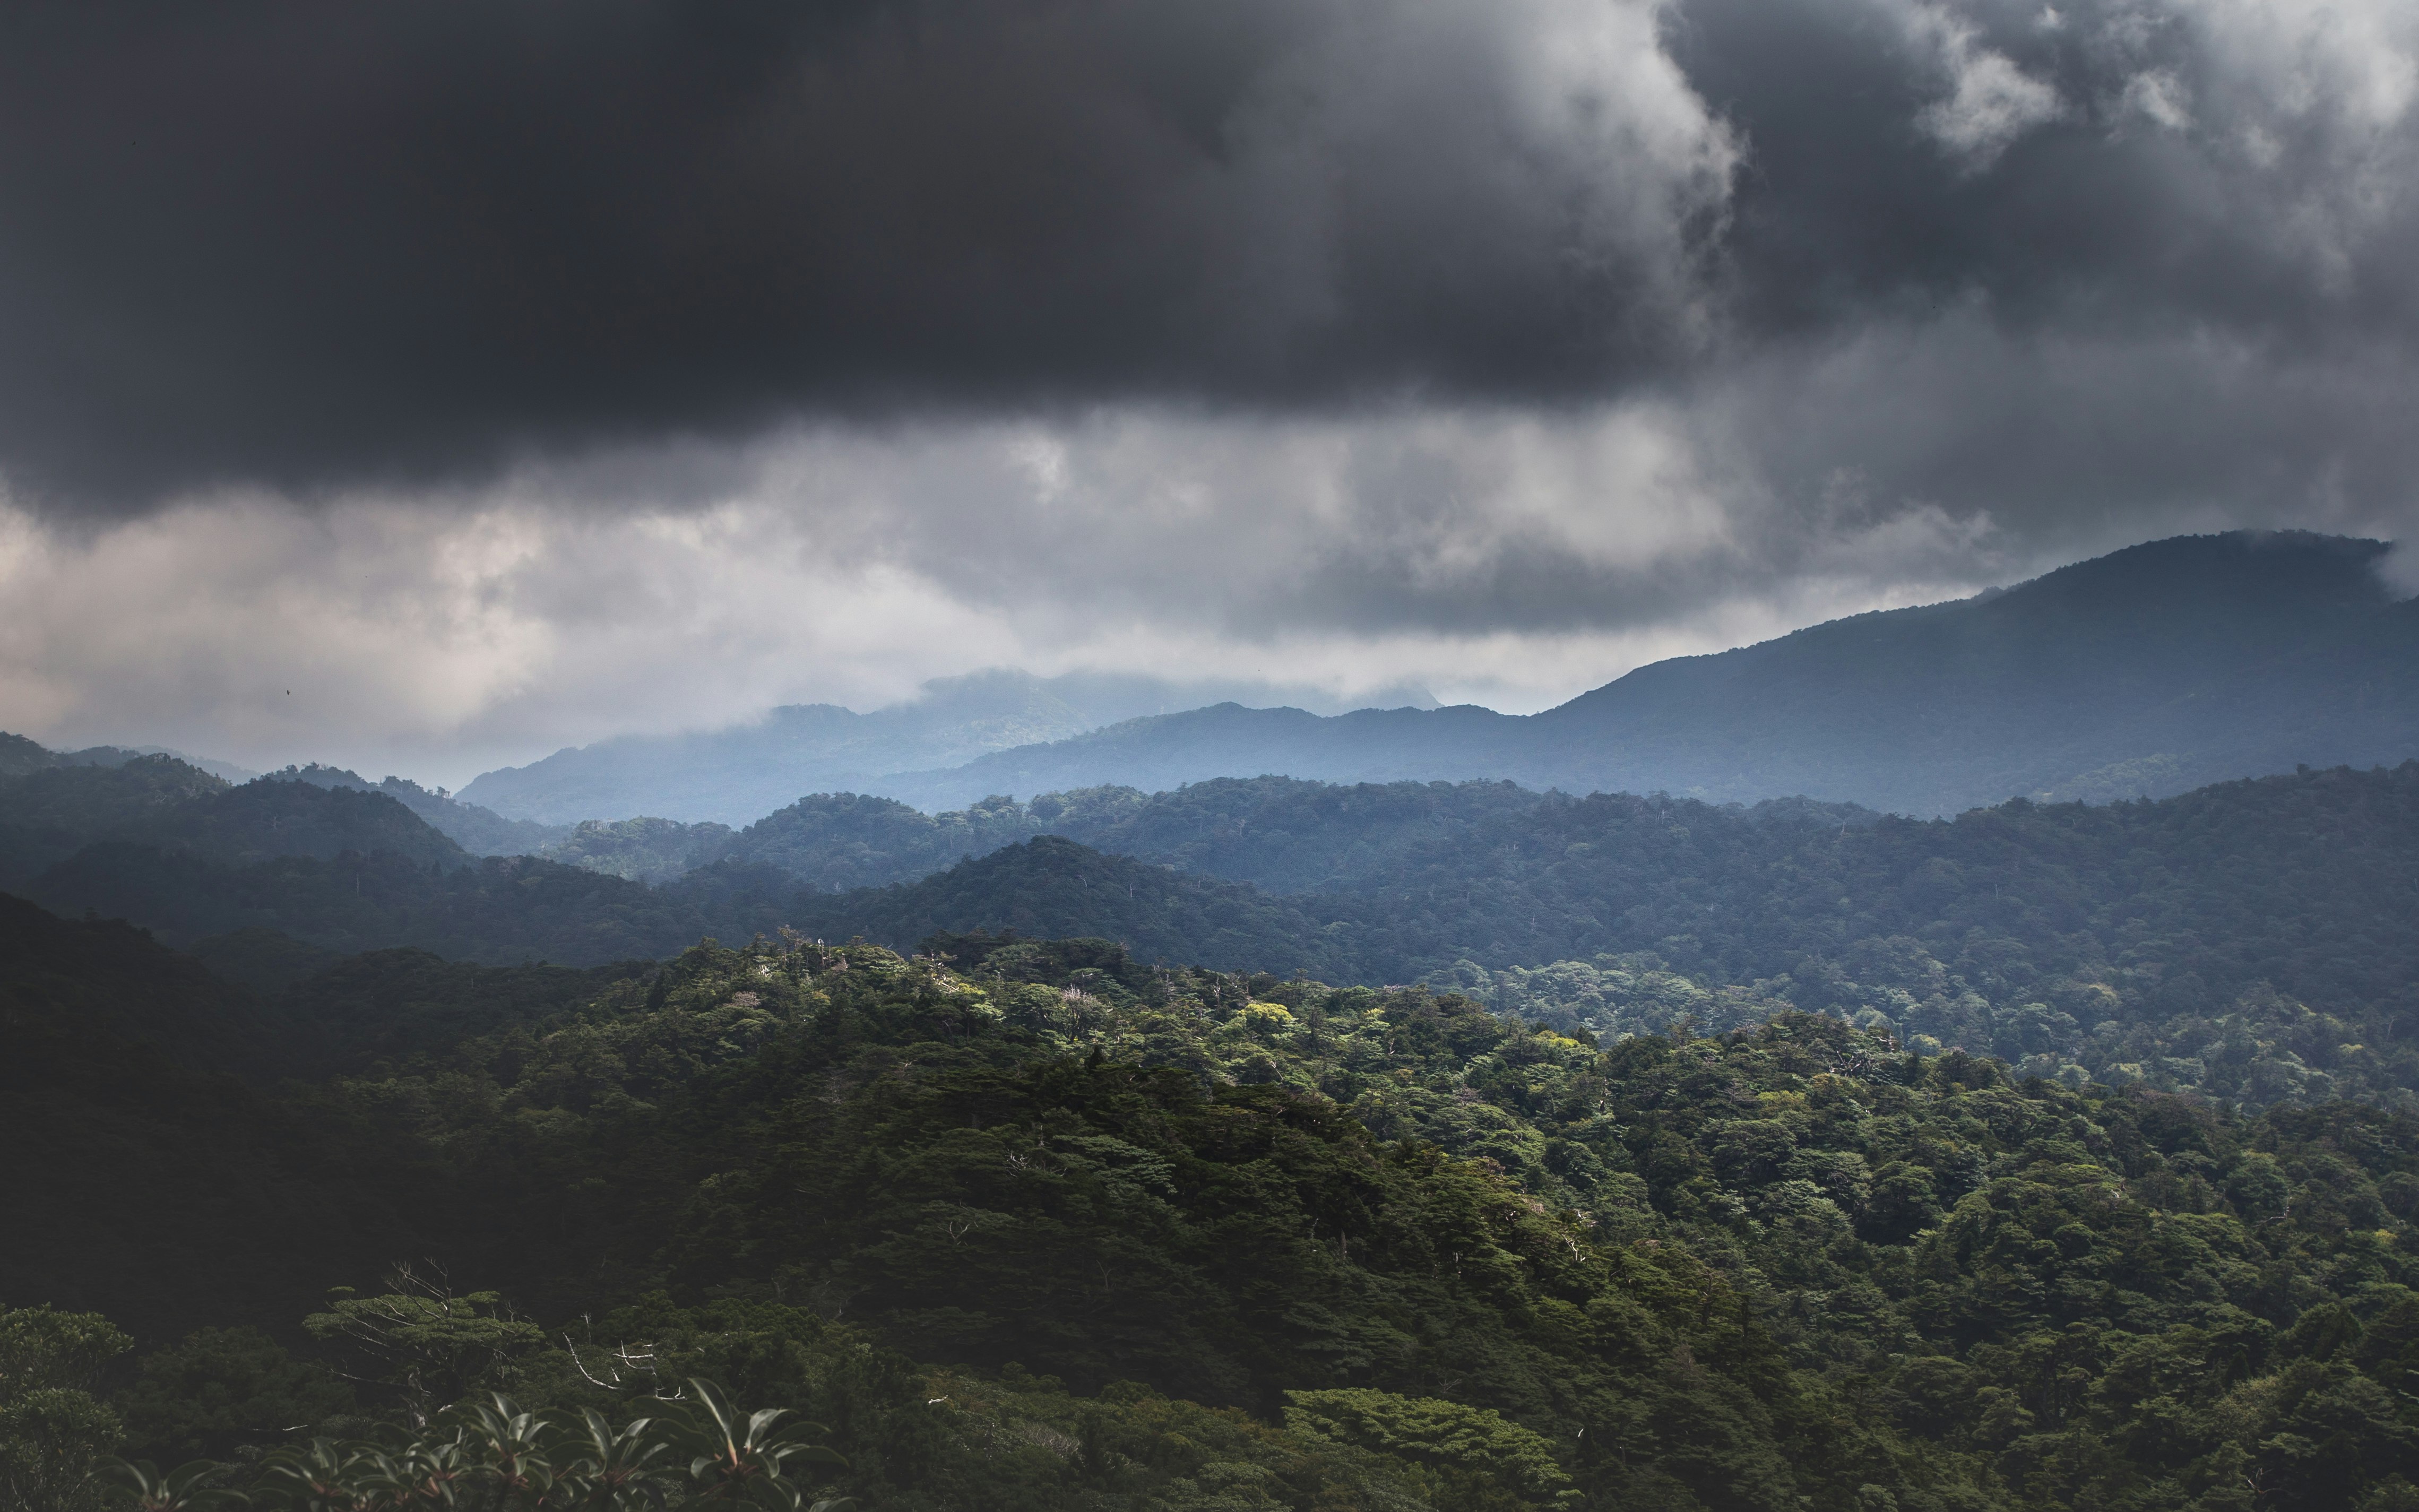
x=499, y=909
x=1280, y=833
x=1053, y=887
x=52, y=810
x=271, y=818
x=479, y=831
x=164, y=804
x=143, y=1174
x=1286, y=834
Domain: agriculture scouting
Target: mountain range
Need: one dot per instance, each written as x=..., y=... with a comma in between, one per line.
x=2248, y=939
x=735, y=775
x=2149, y=671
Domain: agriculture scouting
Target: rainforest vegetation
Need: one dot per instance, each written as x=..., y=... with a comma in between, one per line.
x=1256, y=1145
x=2250, y=940
x=1038, y=1223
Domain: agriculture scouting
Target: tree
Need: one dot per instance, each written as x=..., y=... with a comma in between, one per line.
x=221, y=1389
x=54, y=1434
x=428, y=1343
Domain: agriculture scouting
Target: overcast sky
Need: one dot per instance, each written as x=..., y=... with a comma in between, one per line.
x=426, y=384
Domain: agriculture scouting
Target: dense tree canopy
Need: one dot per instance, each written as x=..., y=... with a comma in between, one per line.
x=2249, y=939
x=1041, y=1224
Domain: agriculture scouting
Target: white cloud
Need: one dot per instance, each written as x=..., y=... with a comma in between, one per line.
x=1506, y=558
x=1990, y=101
x=2319, y=103
x=2161, y=97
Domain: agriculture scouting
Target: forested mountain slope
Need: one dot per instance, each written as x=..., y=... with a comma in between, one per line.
x=479, y=831
x=107, y=977
x=2254, y=937
x=143, y=1174
x=642, y=849
x=1051, y=1227
x=1287, y=836
x=20, y=757
x=495, y=909
x=2148, y=671
x=1278, y=833
x=162, y=804
x=2251, y=939
x=2152, y=671
x=50, y=811
x=1053, y=887
x=318, y=857
x=269, y=818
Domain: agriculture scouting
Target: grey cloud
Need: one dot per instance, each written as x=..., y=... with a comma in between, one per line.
x=1505, y=555
x=2070, y=443
x=408, y=241
x=2246, y=166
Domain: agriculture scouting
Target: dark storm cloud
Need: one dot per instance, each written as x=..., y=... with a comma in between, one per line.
x=301, y=242
x=313, y=245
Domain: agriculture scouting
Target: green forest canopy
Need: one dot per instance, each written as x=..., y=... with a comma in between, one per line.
x=1038, y=1223
x=2250, y=939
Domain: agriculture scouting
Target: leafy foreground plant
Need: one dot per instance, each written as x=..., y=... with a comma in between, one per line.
x=189, y=1487
x=492, y=1457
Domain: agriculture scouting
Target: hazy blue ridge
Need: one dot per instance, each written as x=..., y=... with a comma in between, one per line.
x=2146, y=673
x=735, y=775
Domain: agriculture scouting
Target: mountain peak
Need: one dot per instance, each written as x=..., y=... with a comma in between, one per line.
x=2232, y=573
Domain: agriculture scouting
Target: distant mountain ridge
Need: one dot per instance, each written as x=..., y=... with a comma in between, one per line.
x=2148, y=671
x=162, y=805
x=2249, y=938
x=737, y=775
x=1278, y=833
x=2145, y=673
x=480, y=831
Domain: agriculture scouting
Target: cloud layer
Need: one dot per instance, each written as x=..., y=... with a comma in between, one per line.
x=495, y=375
x=1499, y=557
